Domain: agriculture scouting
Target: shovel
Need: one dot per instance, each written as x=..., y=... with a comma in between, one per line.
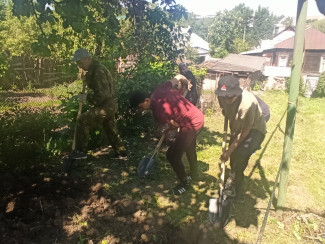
x=68, y=161
x=219, y=208
x=146, y=164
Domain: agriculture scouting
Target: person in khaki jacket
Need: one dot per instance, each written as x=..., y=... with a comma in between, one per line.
x=248, y=129
x=101, y=94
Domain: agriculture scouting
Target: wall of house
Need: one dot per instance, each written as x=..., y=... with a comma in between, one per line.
x=312, y=61
x=278, y=54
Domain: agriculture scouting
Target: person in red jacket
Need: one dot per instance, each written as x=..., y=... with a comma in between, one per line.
x=170, y=107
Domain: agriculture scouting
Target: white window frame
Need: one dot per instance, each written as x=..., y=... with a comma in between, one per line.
x=322, y=64
x=282, y=59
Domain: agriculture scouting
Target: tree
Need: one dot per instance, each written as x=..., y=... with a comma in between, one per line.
x=199, y=26
x=97, y=26
x=242, y=23
x=227, y=27
x=263, y=25
x=239, y=46
x=16, y=34
x=192, y=54
x=319, y=25
x=288, y=21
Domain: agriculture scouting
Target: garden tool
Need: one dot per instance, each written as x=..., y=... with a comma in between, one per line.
x=219, y=209
x=146, y=164
x=68, y=161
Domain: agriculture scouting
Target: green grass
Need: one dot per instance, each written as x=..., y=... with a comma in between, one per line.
x=40, y=98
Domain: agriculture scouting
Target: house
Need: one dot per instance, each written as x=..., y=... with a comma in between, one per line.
x=280, y=53
x=246, y=68
x=198, y=43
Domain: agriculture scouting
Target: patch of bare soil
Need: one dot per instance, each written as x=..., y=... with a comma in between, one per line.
x=40, y=205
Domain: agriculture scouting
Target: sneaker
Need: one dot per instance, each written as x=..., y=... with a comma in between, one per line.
x=78, y=155
x=180, y=189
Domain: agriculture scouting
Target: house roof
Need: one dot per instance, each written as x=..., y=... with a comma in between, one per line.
x=269, y=44
x=235, y=63
x=196, y=41
x=314, y=40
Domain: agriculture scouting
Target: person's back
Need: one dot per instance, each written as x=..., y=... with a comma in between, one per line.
x=167, y=103
x=170, y=108
x=100, y=81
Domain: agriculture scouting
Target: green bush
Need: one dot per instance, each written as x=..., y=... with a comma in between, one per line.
x=28, y=136
x=302, y=88
x=145, y=77
x=320, y=90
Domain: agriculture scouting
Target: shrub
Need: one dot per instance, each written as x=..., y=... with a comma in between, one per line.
x=145, y=77
x=320, y=90
x=28, y=136
x=302, y=88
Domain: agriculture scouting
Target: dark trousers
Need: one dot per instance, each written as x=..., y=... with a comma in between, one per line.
x=240, y=157
x=185, y=142
x=91, y=118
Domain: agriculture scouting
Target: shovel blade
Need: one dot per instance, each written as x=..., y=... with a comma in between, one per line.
x=145, y=166
x=219, y=211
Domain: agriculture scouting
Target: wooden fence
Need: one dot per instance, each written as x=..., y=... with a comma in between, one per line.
x=40, y=72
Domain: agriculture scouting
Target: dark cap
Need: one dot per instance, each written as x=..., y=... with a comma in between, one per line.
x=228, y=86
x=80, y=53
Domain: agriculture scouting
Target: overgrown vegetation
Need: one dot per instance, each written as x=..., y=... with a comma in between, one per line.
x=320, y=89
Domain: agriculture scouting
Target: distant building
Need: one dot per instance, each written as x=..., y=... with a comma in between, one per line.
x=246, y=68
x=197, y=43
x=279, y=53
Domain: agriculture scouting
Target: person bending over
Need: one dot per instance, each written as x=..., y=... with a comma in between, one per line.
x=170, y=107
x=247, y=127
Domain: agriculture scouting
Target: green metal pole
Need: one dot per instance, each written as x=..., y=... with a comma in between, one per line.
x=292, y=101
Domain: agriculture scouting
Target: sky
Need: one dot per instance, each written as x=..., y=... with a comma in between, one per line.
x=277, y=7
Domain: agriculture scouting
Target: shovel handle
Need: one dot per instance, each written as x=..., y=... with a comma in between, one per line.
x=78, y=115
x=224, y=146
x=162, y=138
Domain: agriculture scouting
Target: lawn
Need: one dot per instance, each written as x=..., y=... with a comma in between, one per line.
x=104, y=201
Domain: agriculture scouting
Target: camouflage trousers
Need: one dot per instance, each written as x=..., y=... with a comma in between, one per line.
x=91, y=118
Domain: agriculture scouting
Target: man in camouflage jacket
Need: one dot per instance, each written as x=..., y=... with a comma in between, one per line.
x=102, y=96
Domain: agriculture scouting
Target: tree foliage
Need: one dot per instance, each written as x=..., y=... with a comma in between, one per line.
x=107, y=28
x=319, y=25
x=240, y=23
x=199, y=26
x=288, y=21
x=263, y=25
x=320, y=89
